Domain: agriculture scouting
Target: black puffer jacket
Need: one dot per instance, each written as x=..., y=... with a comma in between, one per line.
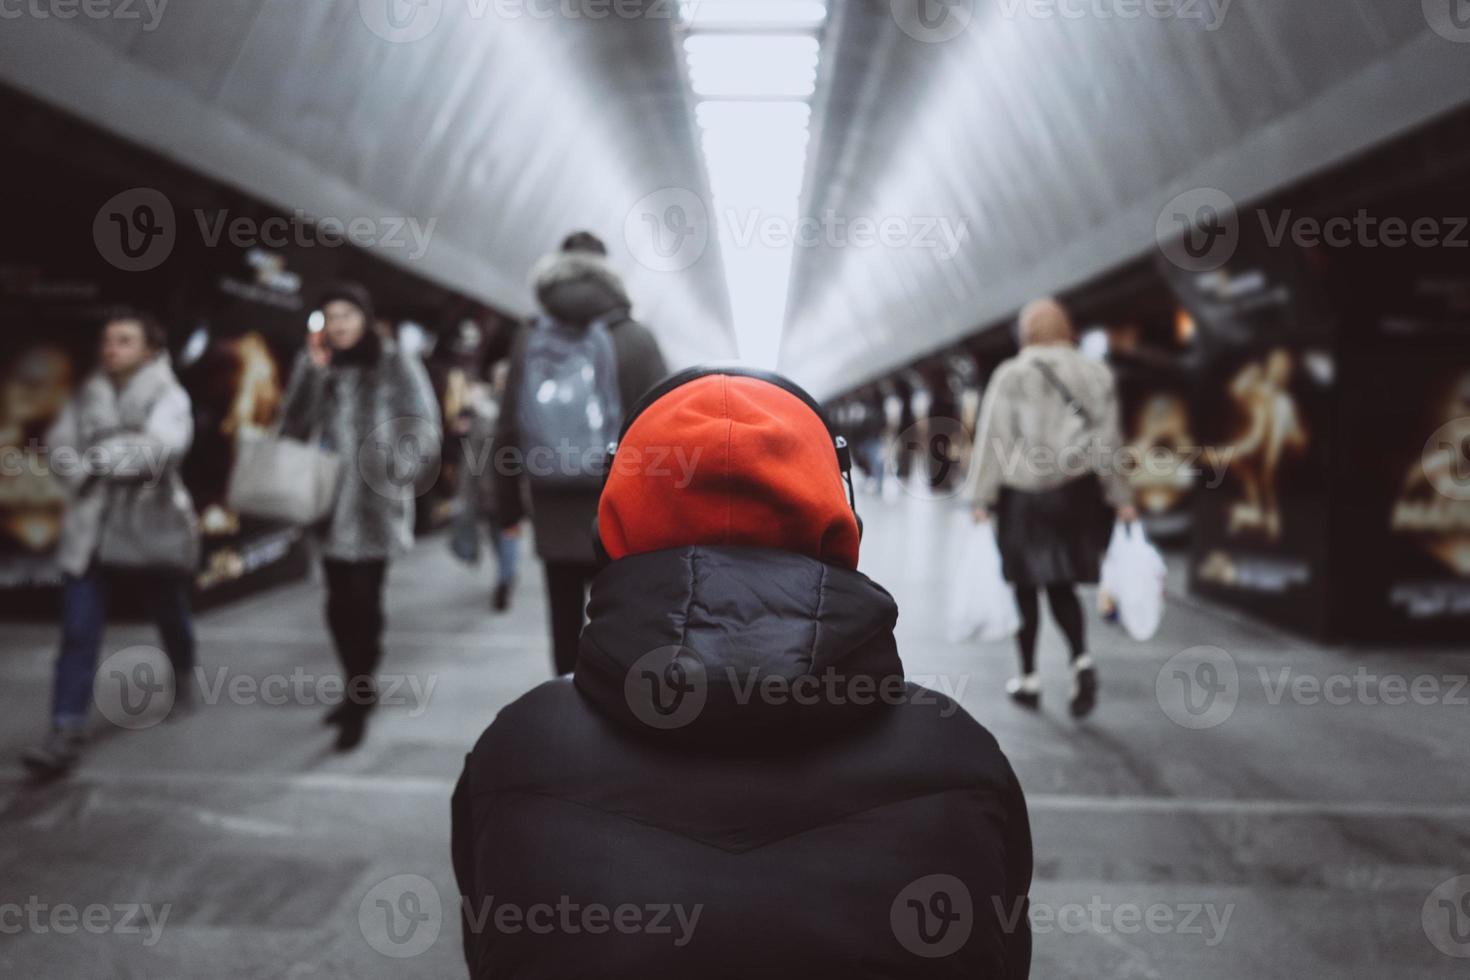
x=779, y=804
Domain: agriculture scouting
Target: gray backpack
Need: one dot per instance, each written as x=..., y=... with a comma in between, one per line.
x=569, y=407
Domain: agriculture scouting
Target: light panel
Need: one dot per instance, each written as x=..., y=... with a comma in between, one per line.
x=752, y=65
x=755, y=126
x=698, y=14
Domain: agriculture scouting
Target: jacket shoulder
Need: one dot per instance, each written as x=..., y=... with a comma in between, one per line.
x=526, y=730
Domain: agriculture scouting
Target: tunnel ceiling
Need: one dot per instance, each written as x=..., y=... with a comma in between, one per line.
x=1058, y=140
x=508, y=127
x=1052, y=141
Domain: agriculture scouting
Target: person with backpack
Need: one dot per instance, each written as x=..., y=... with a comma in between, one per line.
x=738, y=781
x=1046, y=452
x=358, y=395
x=572, y=374
x=117, y=448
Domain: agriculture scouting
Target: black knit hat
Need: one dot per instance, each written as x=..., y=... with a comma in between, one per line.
x=350, y=292
x=584, y=241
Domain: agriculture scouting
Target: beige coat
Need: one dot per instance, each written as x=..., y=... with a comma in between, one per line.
x=1030, y=439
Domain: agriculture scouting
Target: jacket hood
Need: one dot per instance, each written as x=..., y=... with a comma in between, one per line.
x=737, y=645
x=578, y=287
x=727, y=460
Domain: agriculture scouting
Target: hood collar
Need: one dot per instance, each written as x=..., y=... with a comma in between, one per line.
x=578, y=287
x=737, y=645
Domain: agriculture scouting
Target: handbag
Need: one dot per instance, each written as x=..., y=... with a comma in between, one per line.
x=150, y=525
x=285, y=480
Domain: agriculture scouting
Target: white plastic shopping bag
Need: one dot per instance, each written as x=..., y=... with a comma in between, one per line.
x=981, y=605
x=1133, y=574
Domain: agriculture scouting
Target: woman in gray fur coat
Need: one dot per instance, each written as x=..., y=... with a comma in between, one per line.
x=356, y=395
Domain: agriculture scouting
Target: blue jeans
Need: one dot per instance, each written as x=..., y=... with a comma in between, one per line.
x=83, y=618
x=507, y=555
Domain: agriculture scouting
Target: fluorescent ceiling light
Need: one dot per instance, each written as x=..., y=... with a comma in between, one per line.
x=752, y=65
x=756, y=156
x=755, y=151
x=752, y=13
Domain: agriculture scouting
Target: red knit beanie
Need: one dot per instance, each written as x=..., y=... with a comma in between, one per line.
x=728, y=460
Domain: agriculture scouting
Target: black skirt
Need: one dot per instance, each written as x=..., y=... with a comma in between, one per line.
x=1053, y=537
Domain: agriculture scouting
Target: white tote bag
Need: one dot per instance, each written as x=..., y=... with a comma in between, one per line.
x=1133, y=574
x=286, y=480
x=981, y=604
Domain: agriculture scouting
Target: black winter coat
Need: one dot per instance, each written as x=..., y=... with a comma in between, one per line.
x=773, y=802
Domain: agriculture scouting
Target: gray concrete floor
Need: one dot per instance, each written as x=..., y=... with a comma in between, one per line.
x=1294, y=837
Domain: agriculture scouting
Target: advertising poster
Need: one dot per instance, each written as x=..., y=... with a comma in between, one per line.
x=41, y=369
x=236, y=363
x=1160, y=434
x=1404, y=525
x=1261, y=533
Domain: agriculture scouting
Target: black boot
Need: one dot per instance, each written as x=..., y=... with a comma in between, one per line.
x=352, y=728
x=1084, y=687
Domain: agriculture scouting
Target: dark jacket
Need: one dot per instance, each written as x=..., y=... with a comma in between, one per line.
x=575, y=289
x=820, y=823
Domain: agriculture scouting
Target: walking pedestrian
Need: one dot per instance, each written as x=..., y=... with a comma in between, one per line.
x=360, y=396
x=1048, y=439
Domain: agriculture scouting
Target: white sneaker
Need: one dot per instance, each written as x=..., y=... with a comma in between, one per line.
x=1025, y=690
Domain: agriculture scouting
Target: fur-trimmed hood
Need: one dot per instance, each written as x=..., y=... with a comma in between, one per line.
x=578, y=287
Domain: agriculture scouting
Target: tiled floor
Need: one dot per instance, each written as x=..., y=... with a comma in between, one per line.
x=1290, y=839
